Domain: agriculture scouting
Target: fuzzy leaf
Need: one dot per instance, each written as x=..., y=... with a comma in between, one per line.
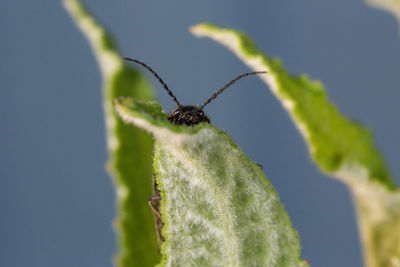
x=339, y=146
x=130, y=148
x=217, y=206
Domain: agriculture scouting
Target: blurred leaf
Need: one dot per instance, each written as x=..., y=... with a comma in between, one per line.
x=130, y=148
x=340, y=147
x=217, y=206
x=334, y=141
x=391, y=6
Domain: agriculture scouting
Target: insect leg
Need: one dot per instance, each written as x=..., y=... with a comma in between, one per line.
x=155, y=204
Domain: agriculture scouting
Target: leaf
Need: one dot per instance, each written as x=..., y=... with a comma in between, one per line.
x=217, y=206
x=391, y=6
x=339, y=146
x=334, y=141
x=130, y=148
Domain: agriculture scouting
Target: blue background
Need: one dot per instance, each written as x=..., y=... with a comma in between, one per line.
x=56, y=200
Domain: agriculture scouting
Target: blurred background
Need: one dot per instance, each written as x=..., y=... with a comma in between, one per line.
x=56, y=200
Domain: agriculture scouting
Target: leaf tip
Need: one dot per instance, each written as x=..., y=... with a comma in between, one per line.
x=201, y=29
x=70, y=5
x=194, y=29
x=120, y=104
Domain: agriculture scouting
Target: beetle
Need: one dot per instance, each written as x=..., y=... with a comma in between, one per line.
x=182, y=115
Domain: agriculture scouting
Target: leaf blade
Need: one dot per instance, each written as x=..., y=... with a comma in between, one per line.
x=217, y=206
x=314, y=115
x=130, y=148
x=340, y=147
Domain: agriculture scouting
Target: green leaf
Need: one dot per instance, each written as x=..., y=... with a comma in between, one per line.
x=334, y=141
x=217, y=206
x=339, y=146
x=130, y=148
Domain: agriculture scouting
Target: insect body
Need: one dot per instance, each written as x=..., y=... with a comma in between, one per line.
x=188, y=115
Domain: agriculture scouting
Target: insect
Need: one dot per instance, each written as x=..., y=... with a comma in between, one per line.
x=188, y=115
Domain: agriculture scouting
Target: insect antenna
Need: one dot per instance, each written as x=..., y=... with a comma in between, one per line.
x=158, y=77
x=227, y=85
